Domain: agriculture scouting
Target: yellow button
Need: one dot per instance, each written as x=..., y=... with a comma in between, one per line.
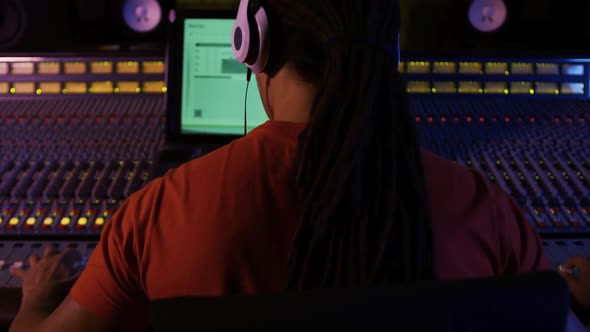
x=82, y=221
x=31, y=221
x=99, y=221
x=13, y=221
x=0, y=221
x=65, y=221
x=47, y=221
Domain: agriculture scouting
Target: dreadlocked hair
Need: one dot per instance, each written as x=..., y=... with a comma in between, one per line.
x=363, y=209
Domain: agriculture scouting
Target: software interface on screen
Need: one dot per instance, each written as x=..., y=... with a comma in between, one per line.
x=214, y=83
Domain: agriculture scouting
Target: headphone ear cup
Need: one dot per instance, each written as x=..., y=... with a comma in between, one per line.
x=260, y=49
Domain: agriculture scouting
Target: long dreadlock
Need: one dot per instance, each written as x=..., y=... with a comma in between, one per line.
x=364, y=215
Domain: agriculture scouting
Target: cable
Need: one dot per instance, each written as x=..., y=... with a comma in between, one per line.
x=248, y=78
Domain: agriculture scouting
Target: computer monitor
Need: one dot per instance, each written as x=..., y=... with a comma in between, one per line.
x=207, y=86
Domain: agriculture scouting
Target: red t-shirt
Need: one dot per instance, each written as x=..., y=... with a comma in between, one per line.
x=223, y=224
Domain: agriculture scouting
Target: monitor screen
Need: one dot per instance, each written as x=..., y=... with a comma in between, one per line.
x=214, y=83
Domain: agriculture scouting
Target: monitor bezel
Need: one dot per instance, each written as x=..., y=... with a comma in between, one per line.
x=174, y=73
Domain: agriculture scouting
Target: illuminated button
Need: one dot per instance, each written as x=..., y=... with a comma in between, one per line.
x=75, y=87
x=48, y=68
x=47, y=221
x=470, y=87
x=444, y=87
x=444, y=68
x=419, y=87
x=4, y=88
x=99, y=222
x=65, y=222
x=572, y=88
x=13, y=222
x=17, y=265
x=154, y=87
x=75, y=68
x=547, y=88
x=27, y=88
x=497, y=68
x=101, y=67
x=49, y=88
x=573, y=69
x=82, y=222
x=473, y=68
x=128, y=67
x=418, y=67
x=23, y=68
x=128, y=87
x=101, y=87
x=30, y=222
x=522, y=68
x=495, y=87
x=153, y=67
x=547, y=69
x=521, y=87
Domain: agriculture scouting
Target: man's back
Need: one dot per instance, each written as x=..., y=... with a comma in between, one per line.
x=224, y=224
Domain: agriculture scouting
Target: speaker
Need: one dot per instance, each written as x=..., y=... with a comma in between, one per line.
x=142, y=16
x=35, y=25
x=488, y=15
x=128, y=23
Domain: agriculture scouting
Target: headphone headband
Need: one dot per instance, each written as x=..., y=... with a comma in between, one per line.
x=251, y=40
x=391, y=50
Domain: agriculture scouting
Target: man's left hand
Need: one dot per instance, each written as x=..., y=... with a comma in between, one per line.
x=48, y=280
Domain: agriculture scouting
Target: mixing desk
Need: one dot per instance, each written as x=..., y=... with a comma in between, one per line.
x=68, y=161
x=67, y=164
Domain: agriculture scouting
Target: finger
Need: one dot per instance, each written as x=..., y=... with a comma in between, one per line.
x=18, y=272
x=579, y=261
x=72, y=255
x=69, y=280
x=72, y=259
x=50, y=250
x=33, y=260
x=566, y=272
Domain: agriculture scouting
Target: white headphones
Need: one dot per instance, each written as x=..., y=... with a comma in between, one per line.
x=250, y=36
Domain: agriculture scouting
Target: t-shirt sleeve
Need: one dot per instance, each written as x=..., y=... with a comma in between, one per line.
x=521, y=246
x=110, y=284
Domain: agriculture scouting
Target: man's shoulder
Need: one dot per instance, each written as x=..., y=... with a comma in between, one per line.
x=444, y=171
x=455, y=188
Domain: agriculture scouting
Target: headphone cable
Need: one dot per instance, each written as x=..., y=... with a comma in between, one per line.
x=248, y=78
